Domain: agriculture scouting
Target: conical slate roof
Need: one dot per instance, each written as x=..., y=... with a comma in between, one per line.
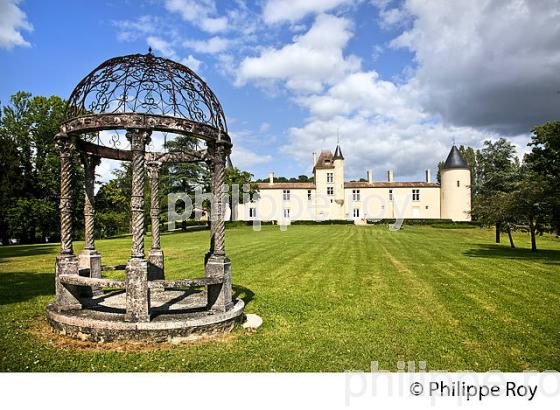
x=455, y=160
x=338, y=153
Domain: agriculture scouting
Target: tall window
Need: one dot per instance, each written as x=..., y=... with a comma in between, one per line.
x=356, y=213
x=330, y=190
x=390, y=195
x=458, y=184
x=355, y=195
x=330, y=177
x=252, y=212
x=309, y=195
x=416, y=195
x=286, y=194
x=286, y=213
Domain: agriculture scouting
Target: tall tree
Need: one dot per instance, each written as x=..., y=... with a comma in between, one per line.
x=11, y=180
x=28, y=127
x=529, y=203
x=497, y=172
x=544, y=162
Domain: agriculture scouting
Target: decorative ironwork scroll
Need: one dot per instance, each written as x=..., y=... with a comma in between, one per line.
x=146, y=84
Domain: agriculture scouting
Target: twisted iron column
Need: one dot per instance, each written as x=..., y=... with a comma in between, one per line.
x=89, y=260
x=66, y=263
x=90, y=162
x=218, y=200
x=153, y=172
x=155, y=258
x=138, y=139
x=66, y=147
x=218, y=264
x=137, y=292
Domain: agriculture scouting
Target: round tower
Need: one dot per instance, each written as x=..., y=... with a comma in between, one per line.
x=455, y=192
x=338, y=162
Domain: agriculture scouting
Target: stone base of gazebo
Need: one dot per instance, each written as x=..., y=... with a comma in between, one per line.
x=176, y=316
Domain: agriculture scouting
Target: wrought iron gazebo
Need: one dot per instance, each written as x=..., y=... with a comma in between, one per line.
x=139, y=95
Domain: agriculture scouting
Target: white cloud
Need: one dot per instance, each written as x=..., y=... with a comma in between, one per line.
x=201, y=13
x=488, y=64
x=365, y=94
x=162, y=46
x=408, y=149
x=214, y=25
x=265, y=126
x=191, y=62
x=12, y=22
x=482, y=71
x=310, y=61
x=243, y=157
x=211, y=46
x=275, y=11
x=395, y=17
x=131, y=30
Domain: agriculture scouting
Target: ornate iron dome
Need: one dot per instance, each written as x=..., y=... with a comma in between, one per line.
x=146, y=84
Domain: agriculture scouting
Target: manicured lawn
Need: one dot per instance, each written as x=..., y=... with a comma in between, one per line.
x=333, y=298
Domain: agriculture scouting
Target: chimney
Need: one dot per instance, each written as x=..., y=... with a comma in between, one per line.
x=271, y=178
x=428, y=175
x=314, y=160
x=390, y=175
x=369, y=176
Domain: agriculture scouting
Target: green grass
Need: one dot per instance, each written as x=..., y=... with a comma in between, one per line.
x=333, y=298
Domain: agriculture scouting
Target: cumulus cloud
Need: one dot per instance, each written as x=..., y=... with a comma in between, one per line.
x=212, y=45
x=191, y=62
x=131, y=30
x=310, y=61
x=201, y=13
x=243, y=157
x=408, y=149
x=365, y=94
x=12, y=22
x=275, y=11
x=487, y=64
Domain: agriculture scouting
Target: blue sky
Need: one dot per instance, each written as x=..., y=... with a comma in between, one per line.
x=398, y=80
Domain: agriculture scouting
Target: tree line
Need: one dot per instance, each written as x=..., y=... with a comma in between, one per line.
x=30, y=177
x=508, y=192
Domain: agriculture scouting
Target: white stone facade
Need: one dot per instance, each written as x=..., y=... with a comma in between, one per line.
x=331, y=198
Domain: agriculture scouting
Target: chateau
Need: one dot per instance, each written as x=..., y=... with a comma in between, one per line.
x=330, y=197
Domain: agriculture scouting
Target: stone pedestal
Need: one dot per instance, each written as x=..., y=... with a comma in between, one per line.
x=219, y=295
x=90, y=260
x=137, y=292
x=67, y=296
x=155, y=265
x=89, y=264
